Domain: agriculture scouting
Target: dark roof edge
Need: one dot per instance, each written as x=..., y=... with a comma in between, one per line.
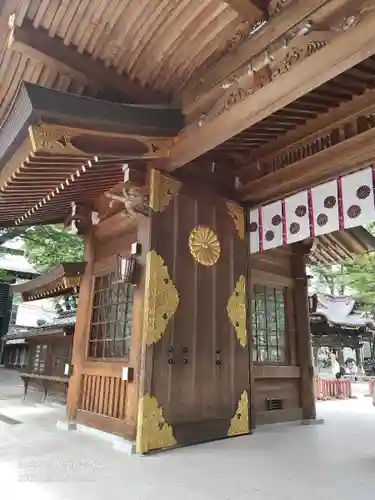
x=67, y=269
x=87, y=112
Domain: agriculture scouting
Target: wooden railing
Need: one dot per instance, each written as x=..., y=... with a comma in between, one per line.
x=333, y=389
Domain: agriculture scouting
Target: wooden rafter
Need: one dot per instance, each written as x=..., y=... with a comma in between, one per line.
x=37, y=44
x=251, y=10
x=361, y=105
x=202, y=87
x=343, y=52
x=345, y=157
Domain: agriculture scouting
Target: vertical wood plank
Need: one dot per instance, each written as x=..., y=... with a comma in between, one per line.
x=121, y=400
x=96, y=394
x=116, y=396
x=81, y=330
x=106, y=396
x=85, y=382
x=304, y=345
x=111, y=394
x=94, y=381
x=101, y=395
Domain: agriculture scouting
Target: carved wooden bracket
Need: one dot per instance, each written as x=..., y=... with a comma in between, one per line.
x=131, y=193
x=81, y=219
x=133, y=199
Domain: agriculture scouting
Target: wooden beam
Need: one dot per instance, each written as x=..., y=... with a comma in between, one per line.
x=38, y=45
x=343, y=52
x=200, y=86
x=323, y=123
x=345, y=157
x=250, y=10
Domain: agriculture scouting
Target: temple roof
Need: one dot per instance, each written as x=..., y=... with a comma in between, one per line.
x=64, y=279
x=339, y=311
x=57, y=147
x=339, y=246
x=59, y=327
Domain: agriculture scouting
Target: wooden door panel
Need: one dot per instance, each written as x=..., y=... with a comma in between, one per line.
x=198, y=370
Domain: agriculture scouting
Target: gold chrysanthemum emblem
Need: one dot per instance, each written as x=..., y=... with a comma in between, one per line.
x=204, y=245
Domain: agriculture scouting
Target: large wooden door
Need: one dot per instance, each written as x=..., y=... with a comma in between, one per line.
x=196, y=371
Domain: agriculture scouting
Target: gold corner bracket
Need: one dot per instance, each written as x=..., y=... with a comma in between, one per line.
x=236, y=310
x=162, y=190
x=161, y=298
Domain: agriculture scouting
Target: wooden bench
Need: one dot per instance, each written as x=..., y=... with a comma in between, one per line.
x=45, y=380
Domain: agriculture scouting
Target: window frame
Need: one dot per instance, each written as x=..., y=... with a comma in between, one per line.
x=270, y=280
x=106, y=359
x=282, y=333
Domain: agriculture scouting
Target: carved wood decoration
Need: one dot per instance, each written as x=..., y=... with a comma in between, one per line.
x=81, y=142
x=133, y=199
x=269, y=66
x=236, y=309
x=313, y=38
x=153, y=431
x=223, y=66
x=192, y=353
x=240, y=422
x=73, y=141
x=162, y=190
x=238, y=215
x=161, y=298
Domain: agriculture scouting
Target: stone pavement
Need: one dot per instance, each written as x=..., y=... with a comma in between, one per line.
x=320, y=462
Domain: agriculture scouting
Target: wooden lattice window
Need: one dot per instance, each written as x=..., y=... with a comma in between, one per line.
x=268, y=324
x=110, y=335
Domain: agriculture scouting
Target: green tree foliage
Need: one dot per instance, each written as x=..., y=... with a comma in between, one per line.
x=355, y=277
x=360, y=277
x=3, y=275
x=329, y=279
x=48, y=246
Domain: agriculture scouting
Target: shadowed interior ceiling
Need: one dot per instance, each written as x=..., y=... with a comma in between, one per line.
x=211, y=59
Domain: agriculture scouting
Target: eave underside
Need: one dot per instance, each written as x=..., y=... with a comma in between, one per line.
x=62, y=280
x=340, y=246
x=56, y=148
x=249, y=79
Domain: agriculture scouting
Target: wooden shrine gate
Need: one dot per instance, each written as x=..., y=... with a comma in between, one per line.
x=196, y=372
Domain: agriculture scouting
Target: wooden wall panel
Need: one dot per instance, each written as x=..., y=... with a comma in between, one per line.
x=277, y=262
x=287, y=390
x=277, y=268
x=101, y=398
x=198, y=370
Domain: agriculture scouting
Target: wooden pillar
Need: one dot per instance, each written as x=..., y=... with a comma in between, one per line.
x=340, y=356
x=304, y=345
x=315, y=353
x=358, y=356
x=81, y=330
x=133, y=390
